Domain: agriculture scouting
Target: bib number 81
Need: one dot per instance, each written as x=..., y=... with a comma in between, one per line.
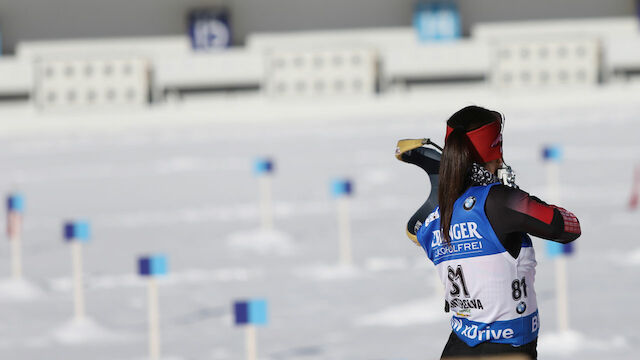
x=518, y=288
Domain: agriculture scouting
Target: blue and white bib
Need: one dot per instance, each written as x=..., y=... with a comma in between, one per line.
x=490, y=294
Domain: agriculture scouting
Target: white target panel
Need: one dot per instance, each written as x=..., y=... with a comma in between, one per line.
x=92, y=83
x=321, y=73
x=545, y=63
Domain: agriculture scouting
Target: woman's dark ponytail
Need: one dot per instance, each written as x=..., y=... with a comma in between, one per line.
x=457, y=159
x=456, y=162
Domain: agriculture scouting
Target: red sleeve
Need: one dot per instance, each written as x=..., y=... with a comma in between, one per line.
x=513, y=210
x=527, y=205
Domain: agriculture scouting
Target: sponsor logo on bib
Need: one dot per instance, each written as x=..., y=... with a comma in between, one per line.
x=469, y=203
x=475, y=333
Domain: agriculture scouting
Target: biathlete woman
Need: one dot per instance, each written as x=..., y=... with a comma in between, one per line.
x=475, y=233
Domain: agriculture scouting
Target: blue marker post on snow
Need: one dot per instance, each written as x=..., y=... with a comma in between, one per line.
x=15, y=212
x=151, y=267
x=553, y=155
x=342, y=190
x=77, y=233
x=250, y=313
x=555, y=249
x=15, y=202
x=263, y=168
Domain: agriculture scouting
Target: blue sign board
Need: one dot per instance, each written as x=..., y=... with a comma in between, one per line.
x=341, y=187
x=552, y=153
x=154, y=265
x=209, y=29
x=250, y=312
x=437, y=21
x=263, y=166
x=15, y=203
x=77, y=231
x=555, y=249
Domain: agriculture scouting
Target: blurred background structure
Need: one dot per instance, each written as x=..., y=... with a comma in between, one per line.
x=66, y=54
x=29, y=20
x=147, y=118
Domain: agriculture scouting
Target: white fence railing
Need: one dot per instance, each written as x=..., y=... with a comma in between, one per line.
x=379, y=39
x=621, y=58
x=606, y=29
x=151, y=48
x=16, y=77
x=427, y=63
x=224, y=70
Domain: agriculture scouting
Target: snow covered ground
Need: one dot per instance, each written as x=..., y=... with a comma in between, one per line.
x=186, y=188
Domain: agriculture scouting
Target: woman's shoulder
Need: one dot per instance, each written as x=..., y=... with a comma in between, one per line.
x=499, y=189
x=503, y=195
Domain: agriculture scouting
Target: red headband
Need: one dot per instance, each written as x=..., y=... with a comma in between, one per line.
x=486, y=140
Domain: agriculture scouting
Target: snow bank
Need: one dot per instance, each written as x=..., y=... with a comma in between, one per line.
x=18, y=290
x=79, y=331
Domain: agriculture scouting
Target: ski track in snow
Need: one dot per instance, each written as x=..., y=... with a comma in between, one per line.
x=571, y=344
x=628, y=258
x=263, y=242
x=417, y=312
x=339, y=272
x=188, y=276
x=328, y=272
x=86, y=330
x=18, y=290
x=235, y=212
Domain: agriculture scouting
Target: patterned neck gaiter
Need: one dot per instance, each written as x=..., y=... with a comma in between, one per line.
x=479, y=176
